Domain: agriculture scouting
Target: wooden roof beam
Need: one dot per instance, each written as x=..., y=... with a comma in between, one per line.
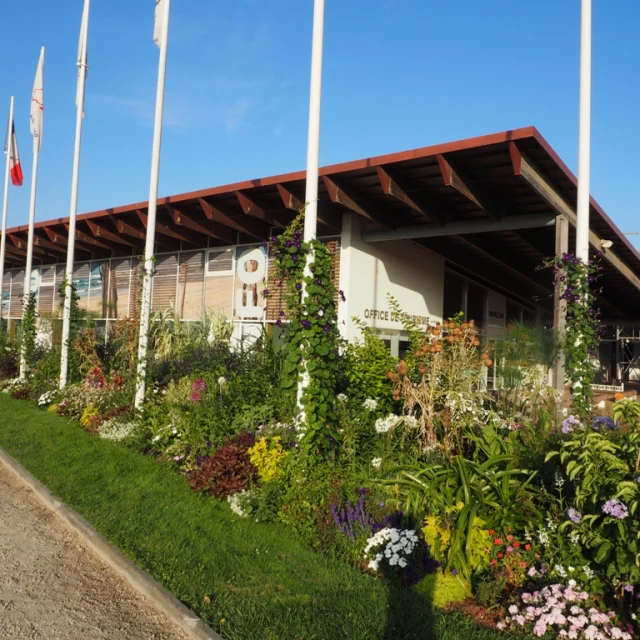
x=340, y=196
x=87, y=239
x=63, y=240
x=326, y=217
x=252, y=227
x=46, y=244
x=104, y=234
x=129, y=230
x=213, y=230
x=528, y=171
x=391, y=188
x=251, y=208
x=161, y=229
x=452, y=178
x=21, y=245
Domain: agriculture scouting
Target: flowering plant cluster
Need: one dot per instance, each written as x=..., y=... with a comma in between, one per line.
x=390, y=548
x=576, y=280
x=446, y=363
x=565, y=612
x=116, y=429
x=47, y=398
x=313, y=336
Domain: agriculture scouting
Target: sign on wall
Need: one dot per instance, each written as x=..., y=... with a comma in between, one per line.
x=496, y=314
x=251, y=271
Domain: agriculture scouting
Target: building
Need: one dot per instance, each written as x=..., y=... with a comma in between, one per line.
x=459, y=226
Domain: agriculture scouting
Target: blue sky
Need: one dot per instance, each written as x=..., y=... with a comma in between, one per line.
x=398, y=74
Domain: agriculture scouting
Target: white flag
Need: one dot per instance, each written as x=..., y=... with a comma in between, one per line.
x=37, y=104
x=82, y=51
x=158, y=22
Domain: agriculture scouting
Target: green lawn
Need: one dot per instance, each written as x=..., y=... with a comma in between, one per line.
x=262, y=582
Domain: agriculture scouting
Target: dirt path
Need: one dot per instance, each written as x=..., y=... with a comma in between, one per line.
x=53, y=588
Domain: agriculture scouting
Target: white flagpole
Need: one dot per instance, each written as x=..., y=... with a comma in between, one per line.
x=66, y=315
x=32, y=216
x=5, y=203
x=313, y=154
x=145, y=308
x=584, y=143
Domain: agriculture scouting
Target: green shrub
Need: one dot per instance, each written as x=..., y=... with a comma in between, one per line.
x=365, y=366
x=442, y=589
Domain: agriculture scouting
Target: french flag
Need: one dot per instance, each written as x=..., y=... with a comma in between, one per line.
x=11, y=147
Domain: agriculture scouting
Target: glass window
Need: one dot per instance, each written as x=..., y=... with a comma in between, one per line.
x=476, y=303
x=514, y=313
x=453, y=294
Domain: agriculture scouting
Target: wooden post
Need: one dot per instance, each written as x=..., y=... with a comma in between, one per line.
x=560, y=306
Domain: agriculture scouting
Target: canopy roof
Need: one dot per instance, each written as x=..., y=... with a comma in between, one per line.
x=486, y=204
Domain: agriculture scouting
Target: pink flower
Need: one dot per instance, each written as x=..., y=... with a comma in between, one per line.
x=509, y=549
x=198, y=385
x=196, y=397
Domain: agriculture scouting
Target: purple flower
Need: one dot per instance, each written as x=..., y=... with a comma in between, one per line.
x=294, y=257
x=628, y=588
x=265, y=292
x=574, y=516
x=278, y=323
x=305, y=323
x=569, y=423
x=281, y=314
x=604, y=422
x=326, y=328
x=615, y=508
x=298, y=286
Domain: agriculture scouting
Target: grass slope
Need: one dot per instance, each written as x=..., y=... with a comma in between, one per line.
x=262, y=582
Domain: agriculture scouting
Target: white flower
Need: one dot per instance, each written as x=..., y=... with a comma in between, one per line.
x=116, y=430
x=370, y=405
x=341, y=398
x=376, y=463
x=513, y=610
x=222, y=381
x=46, y=398
x=410, y=422
x=236, y=502
x=384, y=425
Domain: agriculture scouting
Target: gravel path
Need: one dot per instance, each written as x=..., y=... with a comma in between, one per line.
x=53, y=588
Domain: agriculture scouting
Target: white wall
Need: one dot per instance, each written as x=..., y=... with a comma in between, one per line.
x=369, y=272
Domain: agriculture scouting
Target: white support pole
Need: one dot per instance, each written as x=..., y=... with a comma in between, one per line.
x=73, y=211
x=147, y=281
x=584, y=143
x=313, y=154
x=27, y=269
x=5, y=204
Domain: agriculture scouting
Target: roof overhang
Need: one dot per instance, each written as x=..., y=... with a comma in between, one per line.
x=486, y=204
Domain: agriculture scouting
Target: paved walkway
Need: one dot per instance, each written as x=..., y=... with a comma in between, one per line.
x=53, y=588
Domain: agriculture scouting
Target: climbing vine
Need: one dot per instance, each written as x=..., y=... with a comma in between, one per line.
x=29, y=330
x=577, y=280
x=312, y=330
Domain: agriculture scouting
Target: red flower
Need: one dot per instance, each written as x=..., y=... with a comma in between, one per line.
x=494, y=561
x=527, y=546
x=501, y=555
x=492, y=532
x=498, y=541
x=523, y=565
x=516, y=544
x=509, y=537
